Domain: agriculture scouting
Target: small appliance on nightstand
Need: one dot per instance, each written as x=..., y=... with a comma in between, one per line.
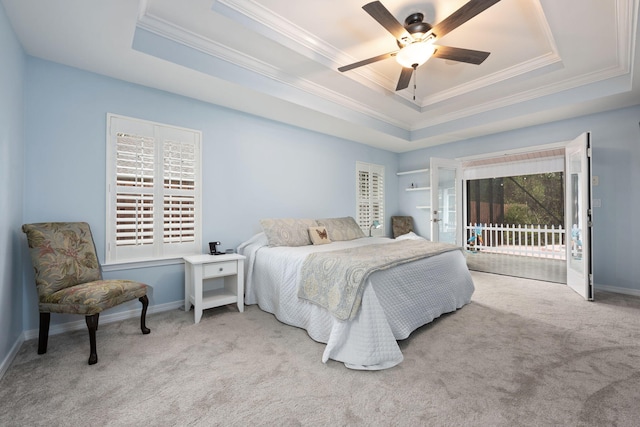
x=198, y=268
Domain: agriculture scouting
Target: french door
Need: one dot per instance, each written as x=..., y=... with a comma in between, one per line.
x=578, y=215
x=446, y=201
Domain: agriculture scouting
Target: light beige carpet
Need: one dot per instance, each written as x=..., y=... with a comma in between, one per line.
x=523, y=353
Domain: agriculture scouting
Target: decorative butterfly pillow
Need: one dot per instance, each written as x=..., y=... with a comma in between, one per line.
x=345, y=228
x=319, y=235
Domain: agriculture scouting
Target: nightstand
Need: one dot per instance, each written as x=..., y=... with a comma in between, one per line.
x=198, y=268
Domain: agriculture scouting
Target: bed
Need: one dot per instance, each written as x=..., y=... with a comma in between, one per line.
x=394, y=300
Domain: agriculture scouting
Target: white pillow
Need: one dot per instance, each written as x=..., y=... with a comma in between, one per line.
x=410, y=236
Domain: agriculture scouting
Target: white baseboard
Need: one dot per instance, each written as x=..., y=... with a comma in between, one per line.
x=617, y=290
x=4, y=366
x=81, y=324
x=104, y=319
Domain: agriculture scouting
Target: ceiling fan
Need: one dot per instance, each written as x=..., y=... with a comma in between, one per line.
x=416, y=38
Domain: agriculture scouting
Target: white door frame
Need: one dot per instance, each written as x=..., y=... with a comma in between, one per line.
x=585, y=286
x=494, y=155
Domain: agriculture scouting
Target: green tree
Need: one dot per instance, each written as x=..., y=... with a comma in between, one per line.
x=518, y=200
x=535, y=199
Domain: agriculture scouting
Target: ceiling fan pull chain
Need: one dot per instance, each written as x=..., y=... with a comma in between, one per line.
x=415, y=71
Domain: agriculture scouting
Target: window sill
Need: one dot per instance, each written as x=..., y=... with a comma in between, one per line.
x=142, y=263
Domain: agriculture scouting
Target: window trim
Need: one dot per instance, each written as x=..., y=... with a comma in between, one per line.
x=159, y=251
x=135, y=264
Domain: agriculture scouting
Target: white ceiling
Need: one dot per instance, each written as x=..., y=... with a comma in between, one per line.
x=550, y=60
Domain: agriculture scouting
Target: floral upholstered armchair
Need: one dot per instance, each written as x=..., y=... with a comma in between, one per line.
x=69, y=279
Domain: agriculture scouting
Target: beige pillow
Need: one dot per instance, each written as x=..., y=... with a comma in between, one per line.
x=345, y=228
x=319, y=235
x=287, y=231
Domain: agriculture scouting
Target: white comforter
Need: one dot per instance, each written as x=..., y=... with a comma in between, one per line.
x=395, y=302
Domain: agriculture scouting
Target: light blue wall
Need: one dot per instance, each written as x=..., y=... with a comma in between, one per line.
x=12, y=83
x=52, y=166
x=252, y=168
x=616, y=161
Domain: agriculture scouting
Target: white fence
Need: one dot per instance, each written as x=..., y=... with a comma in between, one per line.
x=527, y=240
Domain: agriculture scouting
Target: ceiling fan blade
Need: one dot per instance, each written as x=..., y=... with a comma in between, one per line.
x=405, y=78
x=469, y=56
x=367, y=61
x=387, y=20
x=462, y=15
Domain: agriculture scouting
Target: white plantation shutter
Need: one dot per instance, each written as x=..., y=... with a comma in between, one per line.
x=369, y=195
x=135, y=159
x=364, y=215
x=153, y=190
x=377, y=194
x=179, y=174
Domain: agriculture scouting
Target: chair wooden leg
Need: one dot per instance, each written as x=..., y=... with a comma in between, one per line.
x=43, y=338
x=143, y=317
x=92, y=325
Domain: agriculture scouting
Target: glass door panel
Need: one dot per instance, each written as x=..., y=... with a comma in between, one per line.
x=578, y=216
x=446, y=201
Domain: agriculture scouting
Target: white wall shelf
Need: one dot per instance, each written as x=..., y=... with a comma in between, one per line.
x=412, y=181
x=412, y=172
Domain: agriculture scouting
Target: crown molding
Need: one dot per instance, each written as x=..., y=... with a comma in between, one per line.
x=301, y=41
x=304, y=40
x=180, y=35
x=528, y=95
x=522, y=69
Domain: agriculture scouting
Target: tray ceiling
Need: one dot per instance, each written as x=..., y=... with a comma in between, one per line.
x=278, y=59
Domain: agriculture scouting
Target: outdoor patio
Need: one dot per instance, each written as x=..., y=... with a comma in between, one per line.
x=545, y=269
x=532, y=252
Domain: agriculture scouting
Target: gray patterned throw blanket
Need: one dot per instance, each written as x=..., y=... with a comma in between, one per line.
x=335, y=280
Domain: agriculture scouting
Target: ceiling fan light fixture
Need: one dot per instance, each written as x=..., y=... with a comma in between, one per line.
x=415, y=54
x=415, y=39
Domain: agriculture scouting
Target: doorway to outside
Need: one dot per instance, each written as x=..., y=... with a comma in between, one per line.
x=515, y=215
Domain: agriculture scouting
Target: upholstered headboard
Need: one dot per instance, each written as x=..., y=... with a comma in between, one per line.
x=401, y=225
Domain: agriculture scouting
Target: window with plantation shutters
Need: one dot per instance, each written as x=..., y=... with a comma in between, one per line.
x=369, y=196
x=153, y=190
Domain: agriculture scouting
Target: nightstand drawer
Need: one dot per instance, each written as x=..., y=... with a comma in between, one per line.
x=220, y=269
